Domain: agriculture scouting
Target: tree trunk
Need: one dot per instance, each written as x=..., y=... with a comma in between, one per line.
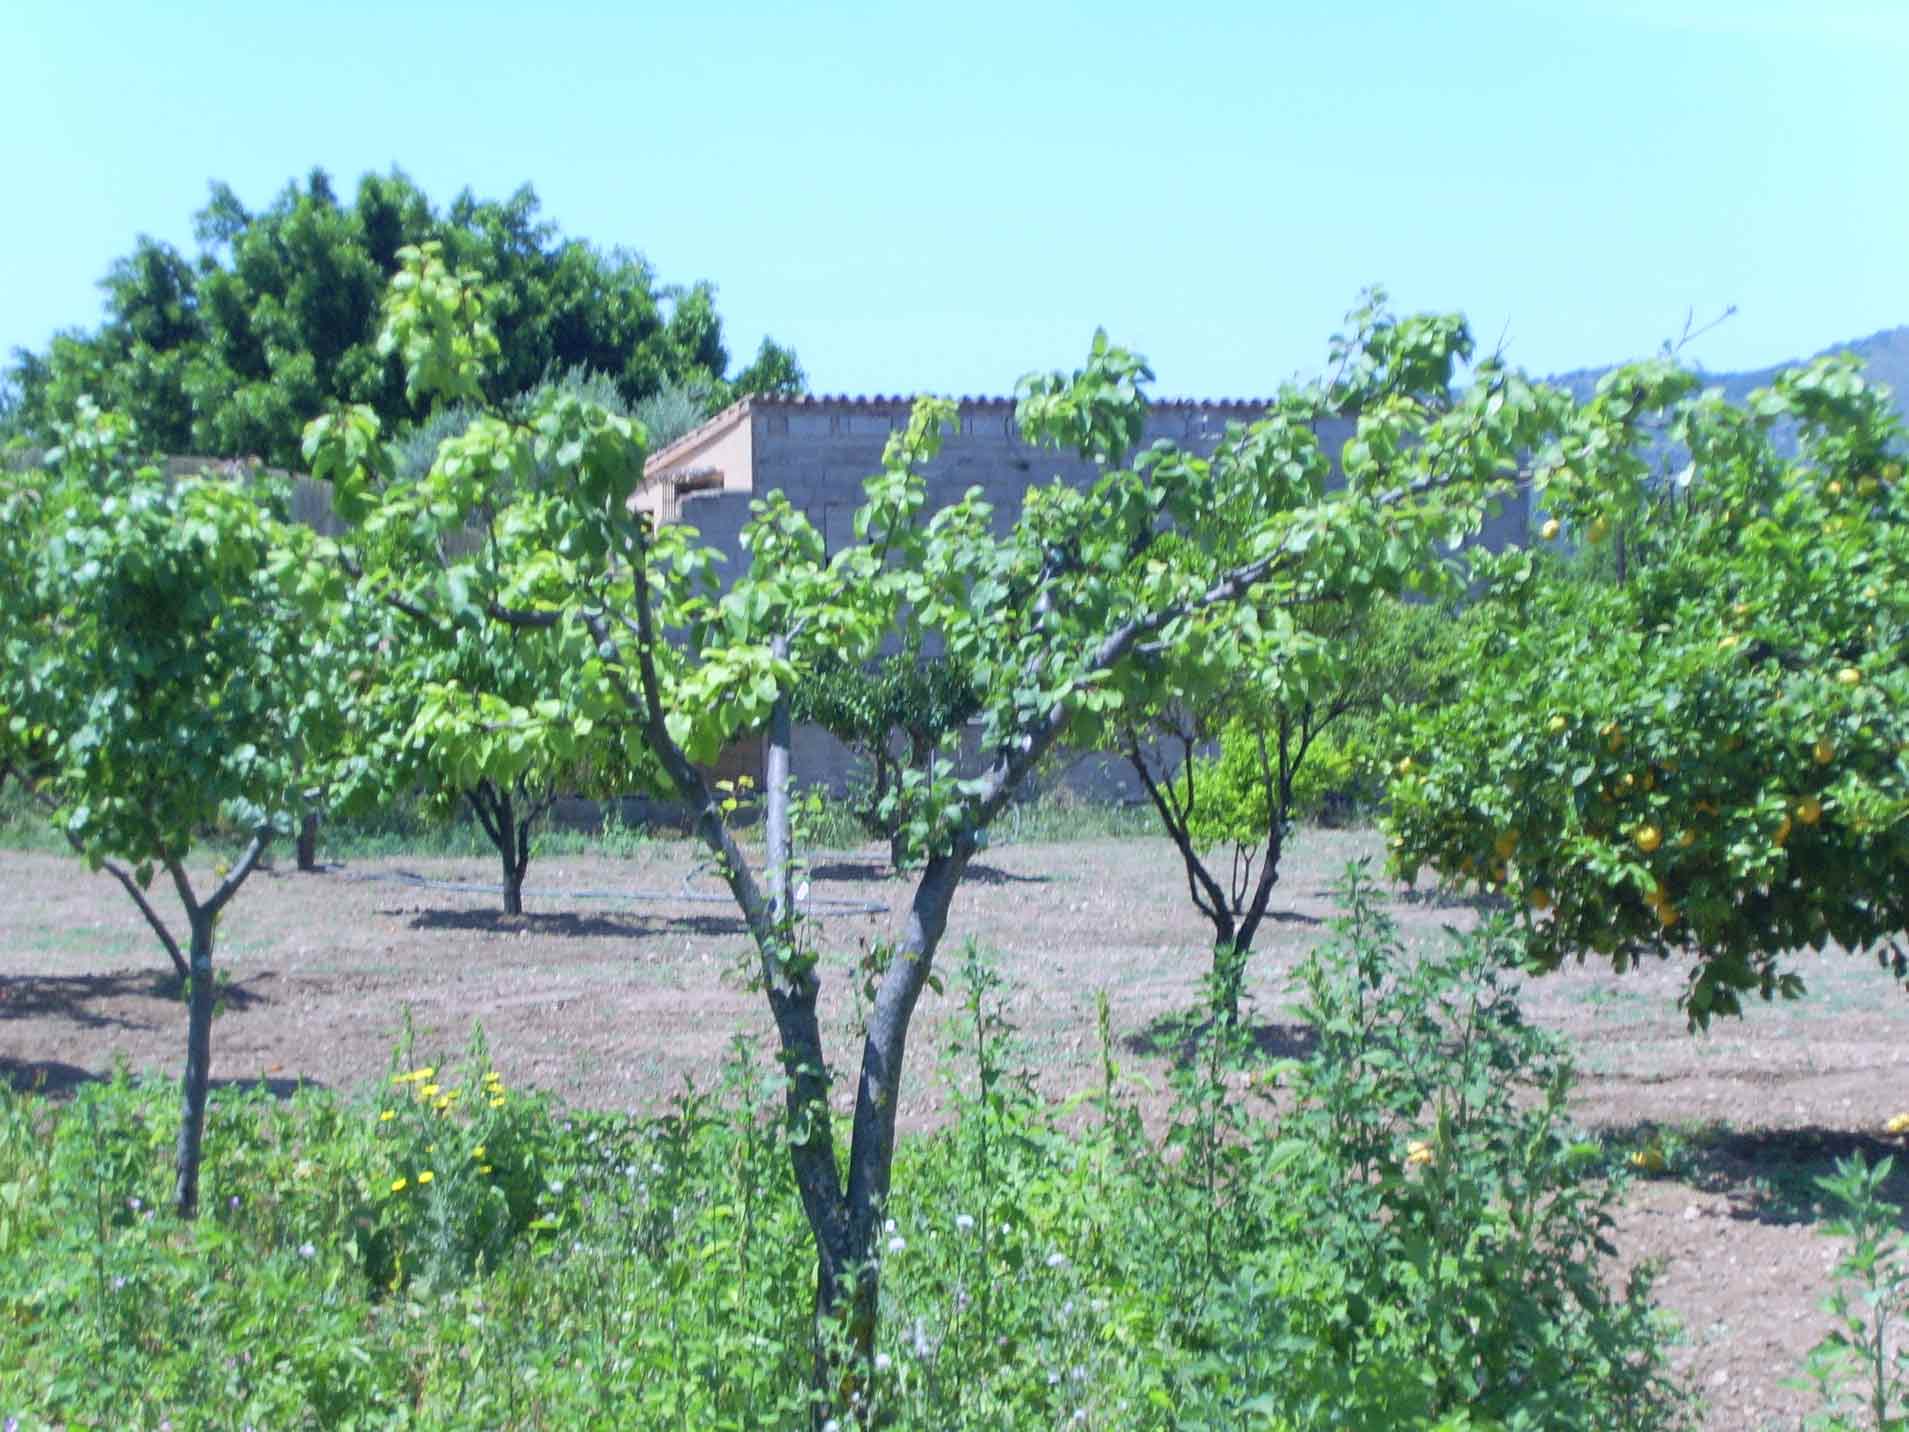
x=496, y=813
x=198, y=1066
x=308, y=842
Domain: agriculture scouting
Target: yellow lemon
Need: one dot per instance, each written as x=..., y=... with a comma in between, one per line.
x=1809, y=810
x=1849, y=676
x=1599, y=530
x=1782, y=831
x=1648, y=838
x=1558, y=725
x=1824, y=753
x=1550, y=530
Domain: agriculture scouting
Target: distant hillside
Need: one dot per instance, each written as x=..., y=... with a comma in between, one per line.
x=1885, y=355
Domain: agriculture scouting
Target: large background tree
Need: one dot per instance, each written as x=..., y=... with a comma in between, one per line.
x=1700, y=753
x=228, y=352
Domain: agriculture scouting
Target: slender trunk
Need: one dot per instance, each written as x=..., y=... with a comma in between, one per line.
x=198, y=1065
x=308, y=842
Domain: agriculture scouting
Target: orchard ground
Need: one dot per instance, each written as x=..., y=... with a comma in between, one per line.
x=630, y=974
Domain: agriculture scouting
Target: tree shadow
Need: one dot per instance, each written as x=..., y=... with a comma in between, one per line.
x=994, y=875
x=569, y=925
x=854, y=871
x=72, y=997
x=1434, y=898
x=1177, y=1037
x=1768, y=1175
x=53, y=1079
x=48, y=1077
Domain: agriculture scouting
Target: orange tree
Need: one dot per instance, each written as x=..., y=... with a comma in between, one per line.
x=1701, y=757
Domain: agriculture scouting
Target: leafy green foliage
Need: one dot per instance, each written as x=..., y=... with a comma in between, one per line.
x=897, y=712
x=166, y=659
x=167, y=666
x=1706, y=759
x=1413, y=1243
x=1860, y=1370
x=278, y=316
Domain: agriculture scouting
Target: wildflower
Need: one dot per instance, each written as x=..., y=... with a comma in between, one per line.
x=497, y=1102
x=1057, y=1260
x=429, y=1091
x=1417, y=1152
x=883, y=1362
x=307, y=1252
x=134, y=1204
x=425, y=1177
x=416, y=1076
x=964, y=1222
x=897, y=1245
x=1897, y=1125
x=398, y=1185
x=483, y=1168
x=387, y=1116
x=478, y=1152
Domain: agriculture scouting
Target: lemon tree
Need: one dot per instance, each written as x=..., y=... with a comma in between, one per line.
x=1706, y=758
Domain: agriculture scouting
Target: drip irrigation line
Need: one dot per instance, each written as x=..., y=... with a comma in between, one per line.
x=814, y=905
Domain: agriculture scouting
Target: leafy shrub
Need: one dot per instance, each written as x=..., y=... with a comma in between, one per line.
x=1395, y=1231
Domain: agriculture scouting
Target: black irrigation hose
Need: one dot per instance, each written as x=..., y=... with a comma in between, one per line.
x=812, y=905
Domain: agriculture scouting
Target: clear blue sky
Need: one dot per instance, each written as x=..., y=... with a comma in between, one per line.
x=938, y=197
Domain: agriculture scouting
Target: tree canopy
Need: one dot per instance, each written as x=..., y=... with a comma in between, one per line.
x=226, y=353
x=1700, y=751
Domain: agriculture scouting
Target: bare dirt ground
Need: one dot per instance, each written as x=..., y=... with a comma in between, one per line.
x=612, y=1002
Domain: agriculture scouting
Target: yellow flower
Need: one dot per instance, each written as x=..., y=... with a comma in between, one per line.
x=416, y=1076
x=429, y=1091
x=387, y=1116
x=1417, y=1152
x=498, y=1102
x=425, y=1177
x=478, y=1152
x=398, y=1185
x=1897, y=1125
x=483, y=1168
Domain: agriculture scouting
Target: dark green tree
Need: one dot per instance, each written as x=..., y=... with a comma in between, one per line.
x=225, y=354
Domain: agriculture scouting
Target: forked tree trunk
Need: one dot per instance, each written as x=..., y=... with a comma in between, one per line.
x=508, y=826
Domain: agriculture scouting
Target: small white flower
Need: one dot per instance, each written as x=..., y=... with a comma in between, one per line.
x=889, y=1227
x=831, y=1426
x=1057, y=1260
x=896, y=1245
x=883, y=1362
x=305, y=1250
x=964, y=1222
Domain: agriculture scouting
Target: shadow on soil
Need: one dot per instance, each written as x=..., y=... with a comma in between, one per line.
x=54, y=1079
x=571, y=926
x=74, y=997
x=1177, y=1037
x=879, y=870
x=1769, y=1175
